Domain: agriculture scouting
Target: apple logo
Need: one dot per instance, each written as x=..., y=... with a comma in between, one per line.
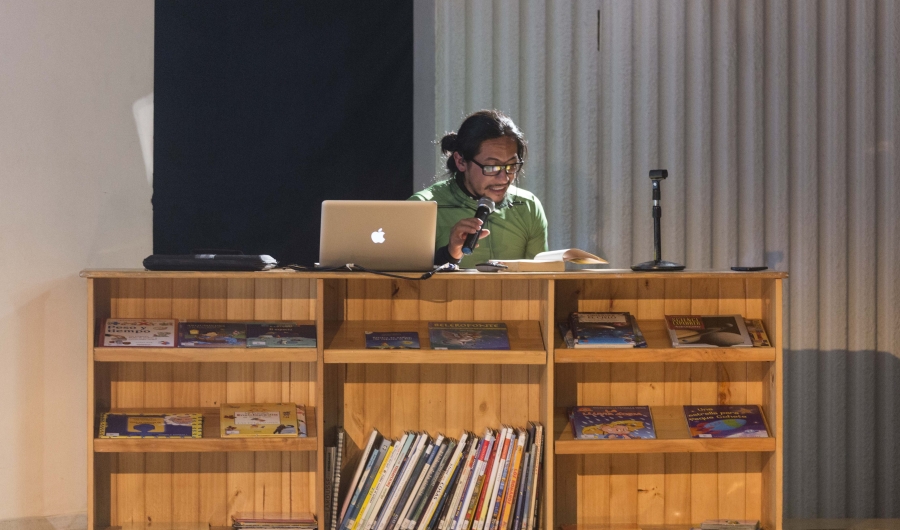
x=378, y=237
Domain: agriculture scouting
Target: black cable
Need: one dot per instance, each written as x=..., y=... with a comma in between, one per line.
x=447, y=267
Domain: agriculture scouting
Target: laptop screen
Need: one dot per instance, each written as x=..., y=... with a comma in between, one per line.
x=378, y=235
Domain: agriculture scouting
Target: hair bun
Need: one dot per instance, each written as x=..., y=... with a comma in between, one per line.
x=448, y=143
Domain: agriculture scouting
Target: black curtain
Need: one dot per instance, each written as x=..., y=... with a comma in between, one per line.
x=265, y=109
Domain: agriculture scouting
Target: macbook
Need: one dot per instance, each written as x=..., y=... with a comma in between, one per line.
x=378, y=235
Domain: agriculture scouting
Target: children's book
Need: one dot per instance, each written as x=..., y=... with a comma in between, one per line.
x=151, y=425
x=757, y=333
x=612, y=423
x=605, y=330
x=245, y=420
x=281, y=335
x=390, y=340
x=725, y=421
x=138, y=332
x=707, y=331
x=468, y=336
x=212, y=334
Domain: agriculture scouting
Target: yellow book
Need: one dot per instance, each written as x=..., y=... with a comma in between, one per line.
x=552, y=261
x=387, y=456
x=247, y=420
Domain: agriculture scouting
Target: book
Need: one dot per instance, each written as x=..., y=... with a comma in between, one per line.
x=212, y=334
x=301, y=421
x=552, y=261
x=363, y=460
x=246, y=420
x=330, y=458
x=151, y=425
x=757, y=333
x=139, y=332
x=725, y=421
x=729, y=524
x=612, y=423
x=365, y=481
x=338, y=462
x=603, y=330
x=270, y=520
x=280, y=335
x=468, y=336
x=707, y=331
x=392, y=340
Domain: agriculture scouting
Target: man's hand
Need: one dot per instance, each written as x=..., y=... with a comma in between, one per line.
x=460, y=232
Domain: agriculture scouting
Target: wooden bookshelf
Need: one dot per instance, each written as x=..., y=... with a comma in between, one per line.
x=673, y=481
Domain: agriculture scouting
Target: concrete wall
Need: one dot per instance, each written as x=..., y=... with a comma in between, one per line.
x=73, y=194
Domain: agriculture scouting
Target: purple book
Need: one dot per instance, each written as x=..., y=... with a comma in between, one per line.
x=725, y=421
x=612, y=423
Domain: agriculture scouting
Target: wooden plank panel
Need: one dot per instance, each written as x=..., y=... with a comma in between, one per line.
x=404, y=299
x=356, y=300
x=594, y=484
x=404, y=399
x=678, y=392
x=377, y=398
x=378, y=303
x=186, y=487
x=239, y=388
x=186, y=379
x=130, y=501
x=433, y=377
x=489, y=397
x=460, y=378
x=295, y=299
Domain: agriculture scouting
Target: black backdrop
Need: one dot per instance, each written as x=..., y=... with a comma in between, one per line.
x=264, y=109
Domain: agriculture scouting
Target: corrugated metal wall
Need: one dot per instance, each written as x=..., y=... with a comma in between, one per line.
x=779, y=123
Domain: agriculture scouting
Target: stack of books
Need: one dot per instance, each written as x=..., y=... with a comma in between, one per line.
x=420, y=483
x=170, y=333
x=272, y=521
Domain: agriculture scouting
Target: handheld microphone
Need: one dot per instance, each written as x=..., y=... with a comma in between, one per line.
x=485, y=208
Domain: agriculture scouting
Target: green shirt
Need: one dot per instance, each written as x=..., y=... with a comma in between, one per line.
x=518, y=225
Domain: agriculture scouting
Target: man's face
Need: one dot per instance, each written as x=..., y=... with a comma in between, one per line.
x=497, y=151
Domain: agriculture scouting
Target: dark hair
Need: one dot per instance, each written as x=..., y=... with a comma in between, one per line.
x=475, y=129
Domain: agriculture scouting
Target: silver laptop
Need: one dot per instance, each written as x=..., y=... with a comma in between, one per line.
x=378, y=235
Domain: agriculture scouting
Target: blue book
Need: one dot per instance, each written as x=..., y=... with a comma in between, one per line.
x=468, y=336
x=611, y=423
x=281, y=335
x=604, y=330
x=390, y=340
x=366, y=485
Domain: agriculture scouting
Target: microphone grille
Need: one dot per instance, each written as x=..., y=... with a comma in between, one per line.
x=487, y=203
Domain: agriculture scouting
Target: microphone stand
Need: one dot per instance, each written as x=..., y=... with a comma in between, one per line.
x=658, y=264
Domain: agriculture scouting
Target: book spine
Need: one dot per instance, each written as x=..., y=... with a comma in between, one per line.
x=380, y=482
x=346, y=521
x=460, y=489
x=336, y=487
x=496, y=507
x=393, y=497
x=438, y=459
x=363, y=458
x=367, y=487
x=535, y=484
x=489, y=475
x=444, y=498
x=449, y=470
x=513, y=481
x=522, y=495
x=478, y=484
x=424, y=460
x=329, y=473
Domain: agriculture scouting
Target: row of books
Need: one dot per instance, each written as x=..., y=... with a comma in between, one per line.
x=169, y=333
x=489, y=482
x=636, y=422
x=273, y=521
x=621, y=330
x=334, y=460
x=236, y=420
x=445, y=336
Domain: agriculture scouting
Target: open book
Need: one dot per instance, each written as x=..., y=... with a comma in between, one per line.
x=552, y=261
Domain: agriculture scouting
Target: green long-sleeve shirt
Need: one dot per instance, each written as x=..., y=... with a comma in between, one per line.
x=518, y=225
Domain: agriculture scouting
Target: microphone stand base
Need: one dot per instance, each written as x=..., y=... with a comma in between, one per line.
x=655, y=265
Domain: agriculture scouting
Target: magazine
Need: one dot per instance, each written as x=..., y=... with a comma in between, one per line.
x=391, y=340
x=725, y=421
x=212, y=334
x=468, y=336
x=138, y=332
x=604, y=330
x=243, y=420
x=612, y=423
x=281, y=335
x=151, y=425
x=757, y=333
x=707, y=331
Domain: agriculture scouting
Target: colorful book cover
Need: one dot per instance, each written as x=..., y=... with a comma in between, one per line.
x=707, y=331
x=612, y=423
x=602, y=330
x=280, y=335
x=245, y=420
x=391, y=340
x=725, y=421
x=301, y=421
x=212, y=334
x=468, y=336
x=757, y=333
x=151, y=425
x=138, y=332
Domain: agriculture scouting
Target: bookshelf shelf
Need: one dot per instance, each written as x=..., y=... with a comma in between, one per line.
x=211, y=442
x=204, y=355
x=345, y=343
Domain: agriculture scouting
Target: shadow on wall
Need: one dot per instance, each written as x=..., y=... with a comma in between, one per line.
x=843, y=404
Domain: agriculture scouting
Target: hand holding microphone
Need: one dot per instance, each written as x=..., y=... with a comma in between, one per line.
x=465, y=234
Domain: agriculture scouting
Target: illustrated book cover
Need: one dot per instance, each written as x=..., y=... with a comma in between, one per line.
x=605, y=330
x=725, y=421
x=281, y=335
x=212, y=334
x=138, y=332
x=391, y=340
x=301, y=421
x=757, y=333
x=244, y=420
x=468, y=336
x=707, y=331
x=612, y=423
x=151, y=425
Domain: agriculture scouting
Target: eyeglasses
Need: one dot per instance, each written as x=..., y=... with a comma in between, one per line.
x=493, y=171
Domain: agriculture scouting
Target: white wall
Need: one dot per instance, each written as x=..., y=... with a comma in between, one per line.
x=73, y=194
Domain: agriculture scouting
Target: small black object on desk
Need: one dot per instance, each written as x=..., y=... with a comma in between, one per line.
x=658, y=264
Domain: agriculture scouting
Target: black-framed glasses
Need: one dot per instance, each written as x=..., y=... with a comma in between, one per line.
x=493, y=171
